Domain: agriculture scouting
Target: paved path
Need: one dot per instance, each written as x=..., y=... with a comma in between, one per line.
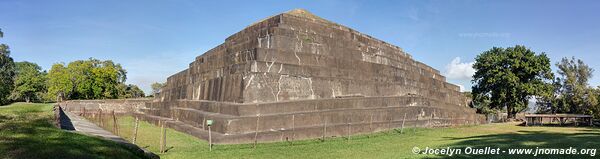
x=74, y=122
x=81, y=124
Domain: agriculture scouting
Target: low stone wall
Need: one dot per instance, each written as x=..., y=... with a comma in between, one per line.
x=236, y=123
x=306, y=119
x=118, y=105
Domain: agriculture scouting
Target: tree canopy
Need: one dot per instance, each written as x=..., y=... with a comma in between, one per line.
x=29, y=83
x=130, y=91
x=507, y=78
x=156, y=86
x=7, y=72
x=90, y=79
x=572, y=93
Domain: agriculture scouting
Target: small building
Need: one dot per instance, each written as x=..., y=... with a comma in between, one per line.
x=560, y=119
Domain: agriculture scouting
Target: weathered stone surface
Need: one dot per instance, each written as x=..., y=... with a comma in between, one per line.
x=296, y=56
x=109, y=105
x=292, y=74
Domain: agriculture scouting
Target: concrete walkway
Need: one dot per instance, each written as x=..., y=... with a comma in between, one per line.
x=73, y=122
x=82, y=125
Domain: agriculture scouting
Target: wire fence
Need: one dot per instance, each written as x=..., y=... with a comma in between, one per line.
x=131, y=128
x=154, y=137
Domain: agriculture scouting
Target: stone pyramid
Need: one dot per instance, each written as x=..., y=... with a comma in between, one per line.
x=294, y=74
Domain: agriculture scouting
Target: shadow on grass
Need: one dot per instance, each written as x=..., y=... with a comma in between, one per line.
x=581, y=139
x=4, y=118
x=30, y=134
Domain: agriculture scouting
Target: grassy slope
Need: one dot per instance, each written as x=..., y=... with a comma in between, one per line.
x=381, y=145
x=26, y=131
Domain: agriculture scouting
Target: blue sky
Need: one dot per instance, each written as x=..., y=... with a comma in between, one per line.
x=154, y=39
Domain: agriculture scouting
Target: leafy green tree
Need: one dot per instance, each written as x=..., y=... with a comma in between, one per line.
x=507, y=78
x=156, y=86
x=80, y=75
x=7, y=72
x=135, y=91
x=130, y=91
x=572, y=93
x=86, y=79
x=30, y=82
x=60, y=84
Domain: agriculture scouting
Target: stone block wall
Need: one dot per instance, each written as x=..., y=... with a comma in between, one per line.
x=298, y=76
x=292, y=57
x=121, y=106
x=305, y=119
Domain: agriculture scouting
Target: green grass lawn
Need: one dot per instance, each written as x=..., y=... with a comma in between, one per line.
x=380, y=145
x=27, y=131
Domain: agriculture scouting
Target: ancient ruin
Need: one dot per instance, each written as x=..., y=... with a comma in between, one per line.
x=297, y=76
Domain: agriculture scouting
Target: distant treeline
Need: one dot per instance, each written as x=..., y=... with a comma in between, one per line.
x=81, y=79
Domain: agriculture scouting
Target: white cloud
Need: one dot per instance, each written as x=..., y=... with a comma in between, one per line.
x=459, y=71
x=462, y=88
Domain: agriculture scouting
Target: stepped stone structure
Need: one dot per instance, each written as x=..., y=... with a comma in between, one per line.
x=297, y=76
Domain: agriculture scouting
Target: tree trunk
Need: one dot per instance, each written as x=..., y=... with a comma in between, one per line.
x=509, y=112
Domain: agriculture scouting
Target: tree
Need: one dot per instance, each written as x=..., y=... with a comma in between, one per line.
x=86, y=79
x=507, y=78
x=572, y=93
x=130, y=91
x=29, y=82
x=156, y=87
x=60, y=85
x=7, y=72
x=136, y=92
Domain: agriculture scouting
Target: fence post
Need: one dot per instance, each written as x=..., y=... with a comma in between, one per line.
x=349, y=131
x=348, y=128
x=324, y=131
x=452, y=120
x=281, y=134
x=209, y=139
x=389, y=125
x=403, y=119
x=203, y=122
x=415, y=128
x=100, y=118
x=115, y=124
x=429, y=121
x=256, y=131
x=163, y=136
x=135, y=130
x=371, y=124
x=293, y=127
x=160, y=137
x=433, y=118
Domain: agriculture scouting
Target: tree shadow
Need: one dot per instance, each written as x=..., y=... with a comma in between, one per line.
x=4, y=118
x=34, y=136
x=583, y=139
